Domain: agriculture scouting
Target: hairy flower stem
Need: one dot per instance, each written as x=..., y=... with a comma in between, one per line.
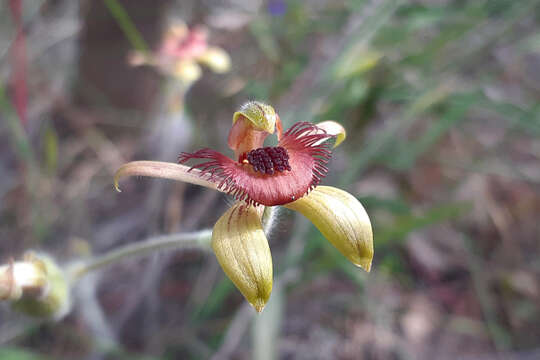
x=269, y=218
x=199, y=239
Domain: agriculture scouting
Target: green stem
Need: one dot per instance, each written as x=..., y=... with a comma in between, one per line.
x=200, y=239
x=501, y=339
x=126, y=24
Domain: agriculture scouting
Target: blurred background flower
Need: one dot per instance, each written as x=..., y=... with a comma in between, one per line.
x=180, y=52
x=440, y=102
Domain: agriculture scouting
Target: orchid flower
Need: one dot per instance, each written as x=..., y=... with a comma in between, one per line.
x=257, y=177
x=180, y=53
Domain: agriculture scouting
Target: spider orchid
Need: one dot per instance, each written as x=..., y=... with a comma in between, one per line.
x=180, y=53
x=257, y=177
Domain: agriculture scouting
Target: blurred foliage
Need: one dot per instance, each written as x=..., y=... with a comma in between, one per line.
x=18, y=354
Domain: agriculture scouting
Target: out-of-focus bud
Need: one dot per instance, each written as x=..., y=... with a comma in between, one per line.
x=22, y=277
x=342, y=220
x=242, y=250
x=216, y=59
x=35, y=286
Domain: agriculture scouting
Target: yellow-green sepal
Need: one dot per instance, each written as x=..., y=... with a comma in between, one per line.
x=342, y=220
x=242, y=250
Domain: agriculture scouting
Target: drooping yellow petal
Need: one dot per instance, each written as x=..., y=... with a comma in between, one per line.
x=164, y=170
x=342, y=220
x=242, y=250
x=334, y=128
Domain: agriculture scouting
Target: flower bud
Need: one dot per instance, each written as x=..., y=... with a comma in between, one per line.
x=19, y=278
x=242, y=250
x=35, y=286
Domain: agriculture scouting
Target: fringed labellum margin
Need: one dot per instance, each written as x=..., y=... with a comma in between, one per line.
x=306, y=157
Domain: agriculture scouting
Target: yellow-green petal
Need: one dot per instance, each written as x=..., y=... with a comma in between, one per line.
x=262, y=116
x=242, y=251
x=342, y=220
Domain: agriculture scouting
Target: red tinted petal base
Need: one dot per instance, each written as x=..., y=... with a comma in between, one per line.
x=307, y=159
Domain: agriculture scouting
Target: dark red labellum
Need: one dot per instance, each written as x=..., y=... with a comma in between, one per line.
x=267, y=160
